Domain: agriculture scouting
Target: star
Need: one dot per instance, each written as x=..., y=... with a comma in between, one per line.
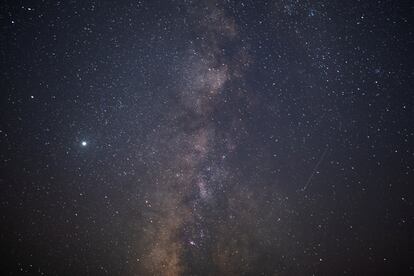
x=207, y=138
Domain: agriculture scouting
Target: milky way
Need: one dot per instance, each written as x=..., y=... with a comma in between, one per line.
x=193, y=149
x=206, y=138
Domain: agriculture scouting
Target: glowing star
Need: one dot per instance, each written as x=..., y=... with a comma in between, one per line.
x=84, y=143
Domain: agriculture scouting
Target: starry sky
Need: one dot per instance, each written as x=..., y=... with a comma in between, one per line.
x=163, y=137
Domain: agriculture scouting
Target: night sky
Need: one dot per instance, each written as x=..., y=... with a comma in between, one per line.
x=207, y=137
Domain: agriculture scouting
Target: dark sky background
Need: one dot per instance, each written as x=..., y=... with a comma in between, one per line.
x=206, y=138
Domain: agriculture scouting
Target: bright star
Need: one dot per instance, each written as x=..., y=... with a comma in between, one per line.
x=84, y=143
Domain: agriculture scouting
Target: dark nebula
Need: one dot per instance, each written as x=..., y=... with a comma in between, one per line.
x=207, y=138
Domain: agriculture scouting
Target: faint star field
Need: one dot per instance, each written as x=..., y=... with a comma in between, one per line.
x=207, y=138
